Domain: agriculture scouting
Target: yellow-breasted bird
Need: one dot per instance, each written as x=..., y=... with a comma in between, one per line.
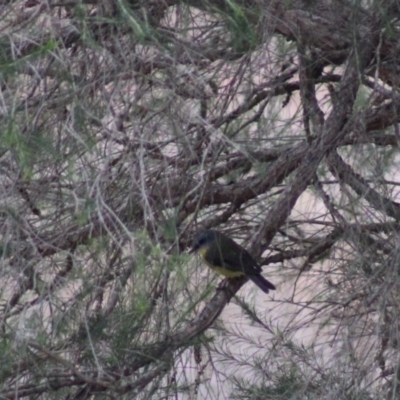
x=227, y=258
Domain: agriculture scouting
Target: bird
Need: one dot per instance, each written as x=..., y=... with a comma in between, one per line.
x=227, y=258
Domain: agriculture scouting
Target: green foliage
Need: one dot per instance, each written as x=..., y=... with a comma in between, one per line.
x=6, y=358
x=288, y=385
x=29, y=148
x=244, y=36
x=11, y=63
x=137, y=22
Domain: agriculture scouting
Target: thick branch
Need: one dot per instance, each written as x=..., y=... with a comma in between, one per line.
x=345, y=174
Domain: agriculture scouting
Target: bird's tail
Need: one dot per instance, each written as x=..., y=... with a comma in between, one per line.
x=262, y=283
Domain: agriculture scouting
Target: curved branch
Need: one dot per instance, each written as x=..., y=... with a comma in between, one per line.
x=345, y=174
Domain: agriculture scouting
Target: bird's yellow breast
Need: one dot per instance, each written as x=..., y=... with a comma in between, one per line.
x=219, y=270
x=226, y=272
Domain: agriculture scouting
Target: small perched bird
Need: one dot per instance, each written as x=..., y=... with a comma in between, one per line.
x=227, y=258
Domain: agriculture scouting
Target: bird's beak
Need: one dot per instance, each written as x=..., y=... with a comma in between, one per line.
x=193, y=250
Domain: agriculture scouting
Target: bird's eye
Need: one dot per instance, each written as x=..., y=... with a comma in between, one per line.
x=202, y=240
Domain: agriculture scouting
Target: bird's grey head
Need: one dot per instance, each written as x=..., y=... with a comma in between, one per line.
x=202, y=239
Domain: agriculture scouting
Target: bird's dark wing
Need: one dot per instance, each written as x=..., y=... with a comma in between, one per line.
x=241, y=260
x=237, y=259
x=214, y=257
